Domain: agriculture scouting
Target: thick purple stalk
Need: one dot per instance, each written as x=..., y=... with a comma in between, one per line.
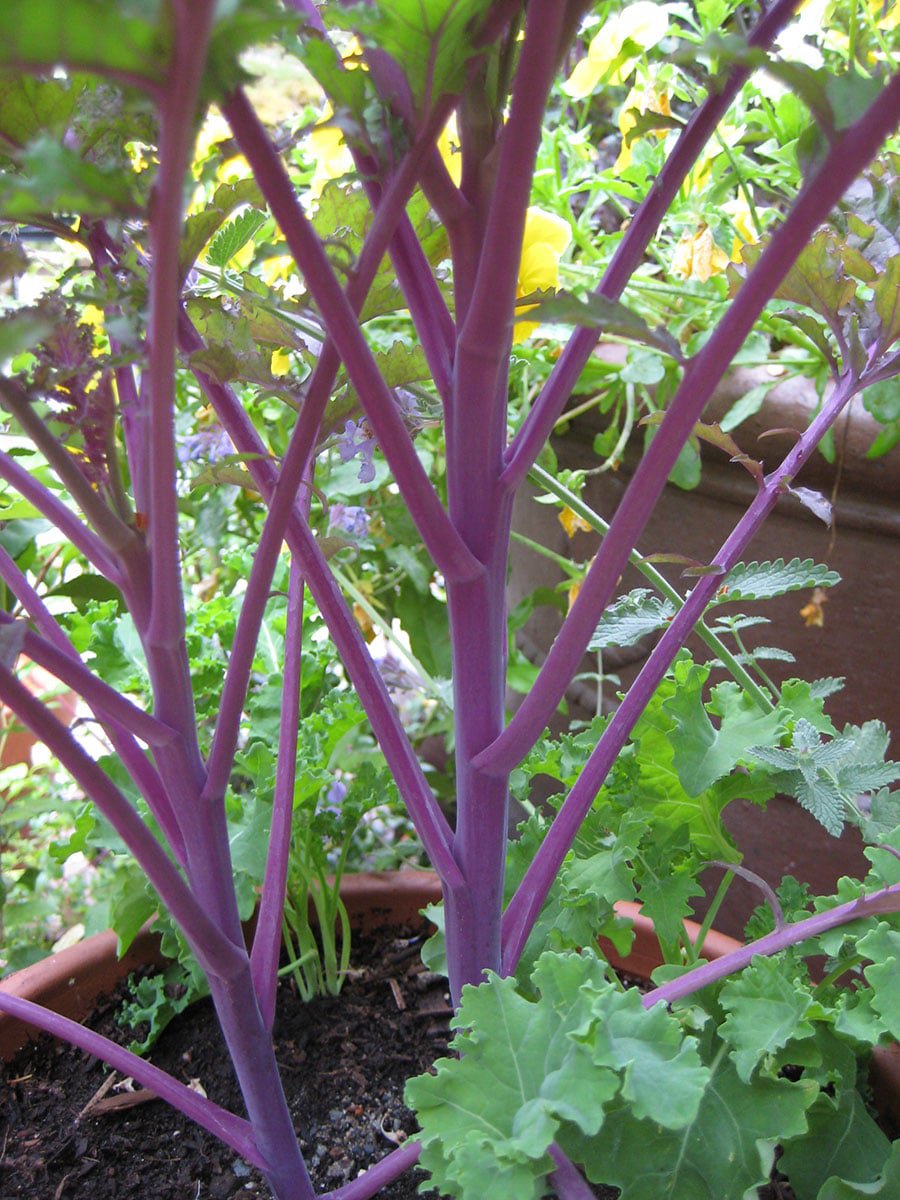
x=442, y=541
x=538, y=425
x=191, y=28
x=233, y=1131
x=880, y=903
x=481, y=513
x=847, y=157
x=267, y=936
x=526, y=904
x=432, y=825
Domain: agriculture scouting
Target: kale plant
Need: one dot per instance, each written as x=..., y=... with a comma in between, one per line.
x=100, y=107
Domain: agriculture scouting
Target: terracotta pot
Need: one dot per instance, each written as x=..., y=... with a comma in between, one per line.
x=858, y=639
x=16, y=742
x=71, y=981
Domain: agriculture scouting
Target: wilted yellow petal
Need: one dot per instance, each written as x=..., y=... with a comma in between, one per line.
x=646, y=98
x=813, y=613
x=573, y=593
x=280, y=363
x=279, y=266
x=741, y=217
x=572, y=523
x=698, y=257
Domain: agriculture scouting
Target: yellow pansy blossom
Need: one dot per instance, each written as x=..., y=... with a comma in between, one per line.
x=697, y=256
x=93, y=316
x=448, y=148
x=331, y=153
x=643, y=24
x=646, y=98
x=546, y=238
x=280, y=363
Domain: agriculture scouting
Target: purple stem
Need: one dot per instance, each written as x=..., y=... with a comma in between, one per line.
x=215, y=952
x=878, y=903
x=567, y=1181
x=299, y=454
x=99, y=695
x=141, y=771
x=524, y=907
x=845, y=160
x=82, y=538
x=110, y=528
x=232, y=1130
x=442, y=541
x=176, y=136
x=487, y=329
x=481, y=513
x=267, y=937
x=391, y=1167
x=436, y=835
x=538, y=425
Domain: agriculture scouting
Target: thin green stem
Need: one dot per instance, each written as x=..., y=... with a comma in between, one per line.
x=696, y=949
x=539, y=476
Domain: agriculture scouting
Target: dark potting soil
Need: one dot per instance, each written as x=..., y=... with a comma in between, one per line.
x=344, y=1063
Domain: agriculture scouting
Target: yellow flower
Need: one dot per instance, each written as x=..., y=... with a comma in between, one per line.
x=572, y=523
x=331, y=153
x=546, y=238
x=93, y=316
x=448, y=148
x=739, y=213
x=642, y=24
x=646, y=98
x=813, y=613
x=280, y=363
x=697, y=256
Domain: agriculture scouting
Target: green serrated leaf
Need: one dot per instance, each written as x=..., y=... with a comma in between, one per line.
x=725, y=1151
x=630, y=618
x=765, y=580
x=232, y=238
x=765, y=1011
x=22, y=330
x=703, y=753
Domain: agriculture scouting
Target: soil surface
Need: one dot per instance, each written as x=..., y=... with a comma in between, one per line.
x=344, y=1064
